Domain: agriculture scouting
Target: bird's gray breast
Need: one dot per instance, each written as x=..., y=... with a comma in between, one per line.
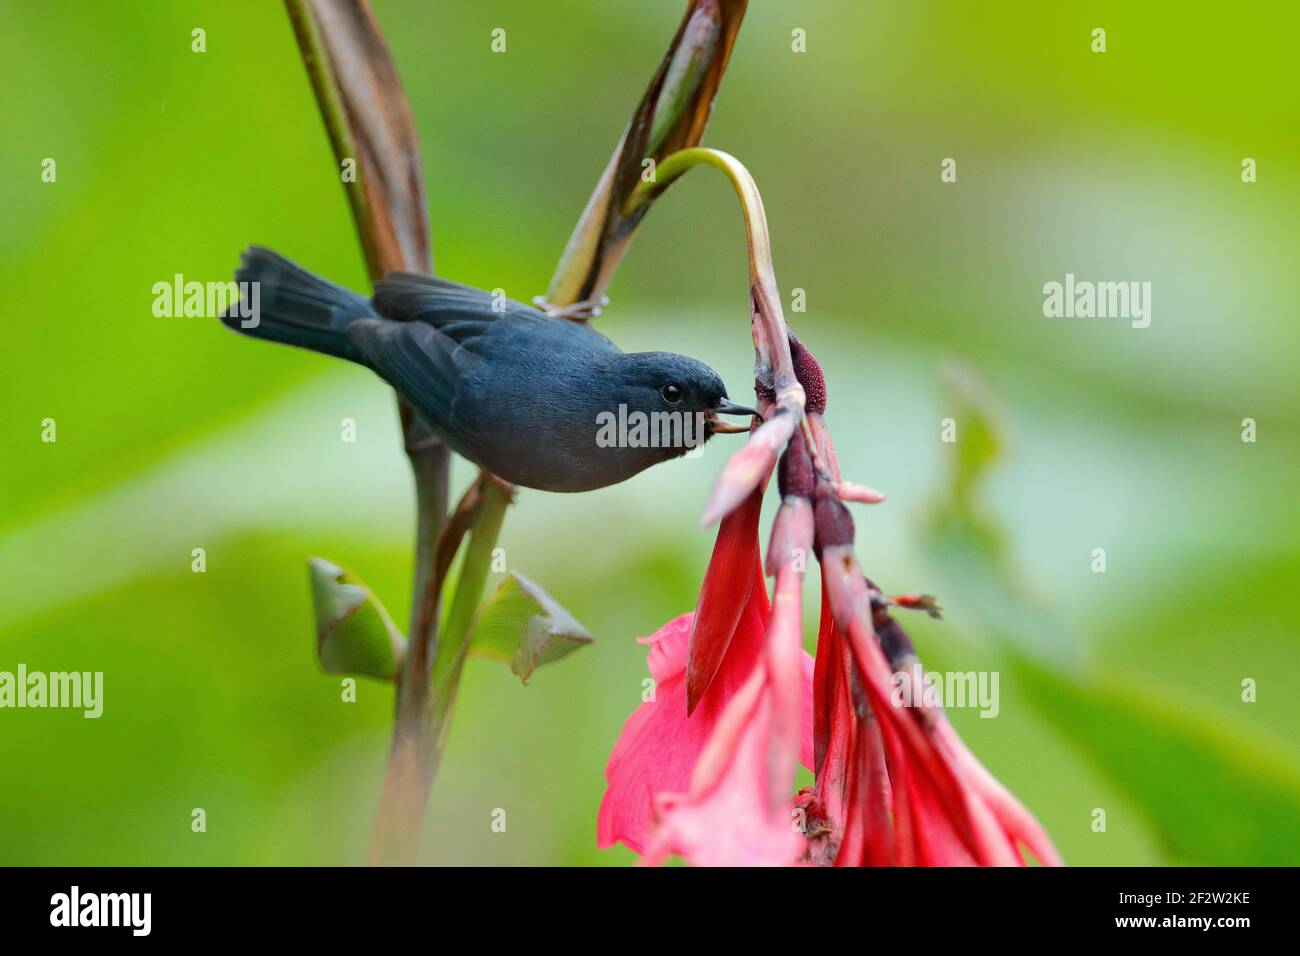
x=532, y=410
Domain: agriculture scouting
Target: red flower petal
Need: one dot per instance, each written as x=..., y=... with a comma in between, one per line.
x=723, y=596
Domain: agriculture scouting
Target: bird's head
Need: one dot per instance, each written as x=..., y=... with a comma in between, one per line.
x=666, y=384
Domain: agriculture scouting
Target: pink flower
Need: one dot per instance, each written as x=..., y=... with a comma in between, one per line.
x=727, y=815
x=896, y=785
x=693, y=777
x=705, y=768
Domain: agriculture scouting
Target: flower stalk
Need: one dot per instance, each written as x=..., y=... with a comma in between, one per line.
x=492, y=496
x=368, y=121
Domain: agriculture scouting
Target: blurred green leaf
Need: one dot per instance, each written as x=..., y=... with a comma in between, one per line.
x=980, y=430
x=1212, y=793
x=975, y=438
x=522, y=624
x=965, y=541
x=354, y=632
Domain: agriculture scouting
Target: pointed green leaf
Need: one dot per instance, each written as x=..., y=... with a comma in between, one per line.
x=981, y=438
x=966, y=542
x=522, y=624
x=354, y=633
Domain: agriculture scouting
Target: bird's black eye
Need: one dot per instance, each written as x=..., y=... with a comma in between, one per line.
x=671, y=393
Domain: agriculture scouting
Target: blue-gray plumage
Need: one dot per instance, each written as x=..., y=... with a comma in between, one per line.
x=515, y=391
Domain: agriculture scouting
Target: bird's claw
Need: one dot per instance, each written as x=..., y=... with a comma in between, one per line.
x=575, y=312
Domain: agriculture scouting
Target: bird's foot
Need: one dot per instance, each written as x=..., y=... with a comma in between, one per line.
x=575, y=312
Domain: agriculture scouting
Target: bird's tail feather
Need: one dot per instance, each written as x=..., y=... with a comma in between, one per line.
x=294, y=306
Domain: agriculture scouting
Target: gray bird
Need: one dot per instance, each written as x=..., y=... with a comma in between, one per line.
x=539, y=401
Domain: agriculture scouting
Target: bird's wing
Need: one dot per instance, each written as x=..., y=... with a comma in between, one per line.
x=460, y=312
x=467, y=315
x=420, y=361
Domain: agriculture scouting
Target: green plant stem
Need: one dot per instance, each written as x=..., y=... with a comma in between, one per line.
x=412, y=757
x=413, y=754
x=771, y=337
x=475, y=566
x=315, y=58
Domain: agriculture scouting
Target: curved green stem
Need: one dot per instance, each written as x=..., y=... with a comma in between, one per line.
x=771, y=338
x=453, y=647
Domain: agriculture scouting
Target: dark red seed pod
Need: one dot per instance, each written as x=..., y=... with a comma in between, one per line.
x=795, y=473
x=833, y=522
x=809, y=373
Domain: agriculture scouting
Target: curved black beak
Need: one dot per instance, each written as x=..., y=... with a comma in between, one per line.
x=726, y=406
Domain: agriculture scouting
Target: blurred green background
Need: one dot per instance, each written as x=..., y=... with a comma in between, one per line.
x=1120, y=691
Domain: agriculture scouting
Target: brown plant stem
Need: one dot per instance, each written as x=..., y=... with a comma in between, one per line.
x=368, y=121
x=671, y=116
